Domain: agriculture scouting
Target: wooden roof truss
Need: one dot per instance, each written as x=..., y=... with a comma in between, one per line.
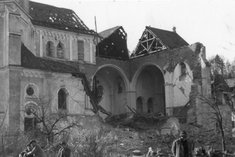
x=149, y=43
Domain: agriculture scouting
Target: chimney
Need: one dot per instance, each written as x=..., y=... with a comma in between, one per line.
x=174, y=29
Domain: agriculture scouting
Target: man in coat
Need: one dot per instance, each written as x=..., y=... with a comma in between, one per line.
x=36, y=150
x=182, y=147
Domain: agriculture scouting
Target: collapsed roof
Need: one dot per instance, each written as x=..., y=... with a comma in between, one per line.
x=113, y=44
x=155, y=40
x=59, y=18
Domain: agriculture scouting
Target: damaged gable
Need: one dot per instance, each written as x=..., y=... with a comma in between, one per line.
x=155, y=40
x=113, y=44
x=58, y=18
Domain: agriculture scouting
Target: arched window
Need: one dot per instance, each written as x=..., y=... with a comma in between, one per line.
x=182, y=71
x=150, y=105
x=62, y=99
x=50, y=49
x=30, y=121
x=139, y=104
x=60, y=50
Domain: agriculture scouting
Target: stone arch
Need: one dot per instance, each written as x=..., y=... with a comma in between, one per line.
x=124, y=77
x=149, y=83
x=114, y=85
x=50, y=49
x=138, y=71
x=62, y=99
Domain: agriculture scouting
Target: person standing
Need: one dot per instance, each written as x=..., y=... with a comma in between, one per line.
x=182, y=147
x=64, y=151
x=36, y=150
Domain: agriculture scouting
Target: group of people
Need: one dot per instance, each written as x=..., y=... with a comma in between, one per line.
x=34, y=150
x=184, y=147
x=181, y=147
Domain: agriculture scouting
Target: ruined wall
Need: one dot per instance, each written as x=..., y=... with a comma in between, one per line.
x=46, y=86
x=177, y=92
x=182, y=85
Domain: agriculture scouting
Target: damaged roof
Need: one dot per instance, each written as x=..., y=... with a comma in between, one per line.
x=30, y=61
x=113, y=44
x=59, y=18
x=169, y=38
x=108, y=32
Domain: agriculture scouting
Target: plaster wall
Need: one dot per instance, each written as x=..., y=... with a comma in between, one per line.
x=70, y=41
x=46, y=86
x=19, y=23
x=182, y=86
x=4, y=30
x=4, y=97
x=14, y=99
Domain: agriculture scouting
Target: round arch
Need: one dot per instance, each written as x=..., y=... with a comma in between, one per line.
x=114, y=85
x=123, y=75
x=137, y=73
x=148, y=82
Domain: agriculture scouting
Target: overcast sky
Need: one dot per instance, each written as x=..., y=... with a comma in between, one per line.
x=211, y=22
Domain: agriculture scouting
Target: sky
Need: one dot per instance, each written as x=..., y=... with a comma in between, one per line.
x=210, y=22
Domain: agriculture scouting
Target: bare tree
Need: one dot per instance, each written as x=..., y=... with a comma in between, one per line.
x=220, y=96
x=49, y=121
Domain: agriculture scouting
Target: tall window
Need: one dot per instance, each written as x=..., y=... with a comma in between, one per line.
x=182, y=71
x=80, y=50
x=50, y=49
x=150, y=105
x=60, y=50
x=30, y=121
x=62, y=99
x=139, y=104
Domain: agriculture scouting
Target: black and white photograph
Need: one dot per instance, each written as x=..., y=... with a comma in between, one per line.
x=117, y=78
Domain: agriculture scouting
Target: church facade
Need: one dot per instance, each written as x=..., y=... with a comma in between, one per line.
x=44, y=49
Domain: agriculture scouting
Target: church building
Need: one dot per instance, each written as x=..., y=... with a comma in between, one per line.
x=46, y=51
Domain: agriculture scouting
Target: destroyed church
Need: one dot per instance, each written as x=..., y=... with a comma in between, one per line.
x=47, y=52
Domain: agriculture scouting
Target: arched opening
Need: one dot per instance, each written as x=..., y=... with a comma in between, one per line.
x=50, y=49
x=183, y=71
x=139, y=104
x=150, y=105
x=30, y=120
x=111, y=89
x=62, y=99
x=60, y=50
x=150, y=85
